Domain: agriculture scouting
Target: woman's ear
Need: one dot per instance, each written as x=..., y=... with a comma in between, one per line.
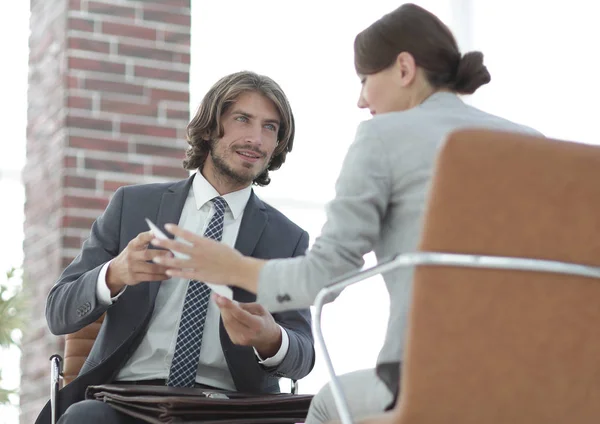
x=405, y=62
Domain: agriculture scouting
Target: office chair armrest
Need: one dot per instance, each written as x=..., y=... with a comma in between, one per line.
x=329, y=293
x=56, y=373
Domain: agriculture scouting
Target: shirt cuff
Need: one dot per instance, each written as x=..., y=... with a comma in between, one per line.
x=102, y=290
x=280, y=355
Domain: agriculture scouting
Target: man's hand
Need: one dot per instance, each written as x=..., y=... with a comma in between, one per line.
x=209, y=260
x=131, y=267
x=249, y=324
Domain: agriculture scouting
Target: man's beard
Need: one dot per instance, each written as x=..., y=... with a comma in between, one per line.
x=226, y=171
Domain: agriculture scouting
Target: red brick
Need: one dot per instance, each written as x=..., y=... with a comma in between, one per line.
x=71, y=242
x=77, y=43
x=113, y=87
x=88, y=123
x=171, y=18
x=155, y=53
x=99, y=8
x=169, y=171
x=182, y=58
x=79, y=222
x=178, y=96
x=88, y=143
x=70, y=162
x=95, y=65
x=111, y=186
x=80, y=24
x=152, y=130
x=74, y=4
x=160, y=151
x=79, y=182
x=79, y=102
x=114, y=166
x=158, y=4
x=49, y=200
x=84, y=202
x=65, y=261
x=178, y=114
x=129, y=108
x=125, y=30
x=162, y=74
x=73, y=82
x=180, y=38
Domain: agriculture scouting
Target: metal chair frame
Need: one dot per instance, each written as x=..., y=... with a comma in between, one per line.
x=329, y=293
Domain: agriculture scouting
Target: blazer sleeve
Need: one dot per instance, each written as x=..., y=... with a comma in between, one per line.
x=72, y=303
x=300, y=357
x=351, y=230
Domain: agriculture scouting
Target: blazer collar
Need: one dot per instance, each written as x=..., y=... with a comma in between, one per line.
x=171, y=205
x=253, y=223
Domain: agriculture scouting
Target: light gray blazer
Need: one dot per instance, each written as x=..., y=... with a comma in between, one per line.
x=379, y=204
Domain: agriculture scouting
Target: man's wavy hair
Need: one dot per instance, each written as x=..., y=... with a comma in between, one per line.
x=206, y=126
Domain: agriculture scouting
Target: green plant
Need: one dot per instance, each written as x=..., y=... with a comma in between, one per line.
x=12, y=308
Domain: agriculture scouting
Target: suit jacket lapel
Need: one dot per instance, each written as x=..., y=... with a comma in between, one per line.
x=169, y=211
x=253, y=224
x=245, y=375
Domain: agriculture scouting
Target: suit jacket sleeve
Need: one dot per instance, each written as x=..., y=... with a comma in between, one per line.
x=351, y=230
x=300, y=357
x=72, y=302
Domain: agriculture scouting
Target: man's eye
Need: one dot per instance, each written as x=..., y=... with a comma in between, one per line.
x=271, y=127
x=242, y=118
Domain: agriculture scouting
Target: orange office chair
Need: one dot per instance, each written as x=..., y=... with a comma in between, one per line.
x=505, y=310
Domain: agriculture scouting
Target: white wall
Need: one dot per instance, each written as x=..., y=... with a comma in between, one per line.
x=541, y=55
x=307, y=47
x=544, y=61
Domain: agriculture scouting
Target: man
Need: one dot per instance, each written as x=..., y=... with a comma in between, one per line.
x=242, y=130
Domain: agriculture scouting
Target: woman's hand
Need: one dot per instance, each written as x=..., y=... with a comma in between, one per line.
x=208, y=260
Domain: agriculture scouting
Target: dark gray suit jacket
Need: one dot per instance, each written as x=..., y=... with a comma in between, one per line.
x=71, y=305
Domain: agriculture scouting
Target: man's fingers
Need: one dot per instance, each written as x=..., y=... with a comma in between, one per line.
x=149, y=268
x=183, y=234
x=174, y=264
x=174, y=246
x=143, y=276
x=238, y=333
x=234, y=311
x=254, y=308
x=142, y=240
x=150, y=254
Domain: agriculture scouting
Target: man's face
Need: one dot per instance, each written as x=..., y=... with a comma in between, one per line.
x=250, y=128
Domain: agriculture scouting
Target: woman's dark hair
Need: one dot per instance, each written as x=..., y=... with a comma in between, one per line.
x=414, y=30
x=206, y=126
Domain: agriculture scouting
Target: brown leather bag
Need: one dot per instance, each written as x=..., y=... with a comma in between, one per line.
x=162, y=404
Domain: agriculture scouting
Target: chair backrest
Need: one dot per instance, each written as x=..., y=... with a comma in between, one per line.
x=77, y=348
x=497, y=346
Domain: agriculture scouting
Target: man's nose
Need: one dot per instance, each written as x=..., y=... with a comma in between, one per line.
x=255, y=135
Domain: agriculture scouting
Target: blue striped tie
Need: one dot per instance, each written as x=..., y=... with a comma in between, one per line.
x=184, y=366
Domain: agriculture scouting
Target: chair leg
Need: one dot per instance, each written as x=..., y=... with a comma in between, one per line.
x=56, y=373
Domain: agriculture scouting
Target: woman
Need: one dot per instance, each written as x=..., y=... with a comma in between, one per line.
x=411, y=73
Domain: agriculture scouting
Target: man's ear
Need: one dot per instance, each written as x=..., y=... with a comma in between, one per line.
x=405, y=63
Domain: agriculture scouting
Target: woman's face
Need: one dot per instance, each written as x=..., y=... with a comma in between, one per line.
x=394, y=89
x=380, y=92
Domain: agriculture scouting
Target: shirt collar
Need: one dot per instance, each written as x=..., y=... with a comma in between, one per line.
x=204, y=192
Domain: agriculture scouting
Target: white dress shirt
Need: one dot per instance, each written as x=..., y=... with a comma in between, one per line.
x=152, y=359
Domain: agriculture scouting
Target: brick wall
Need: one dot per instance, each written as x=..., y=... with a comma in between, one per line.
x=108, y=105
